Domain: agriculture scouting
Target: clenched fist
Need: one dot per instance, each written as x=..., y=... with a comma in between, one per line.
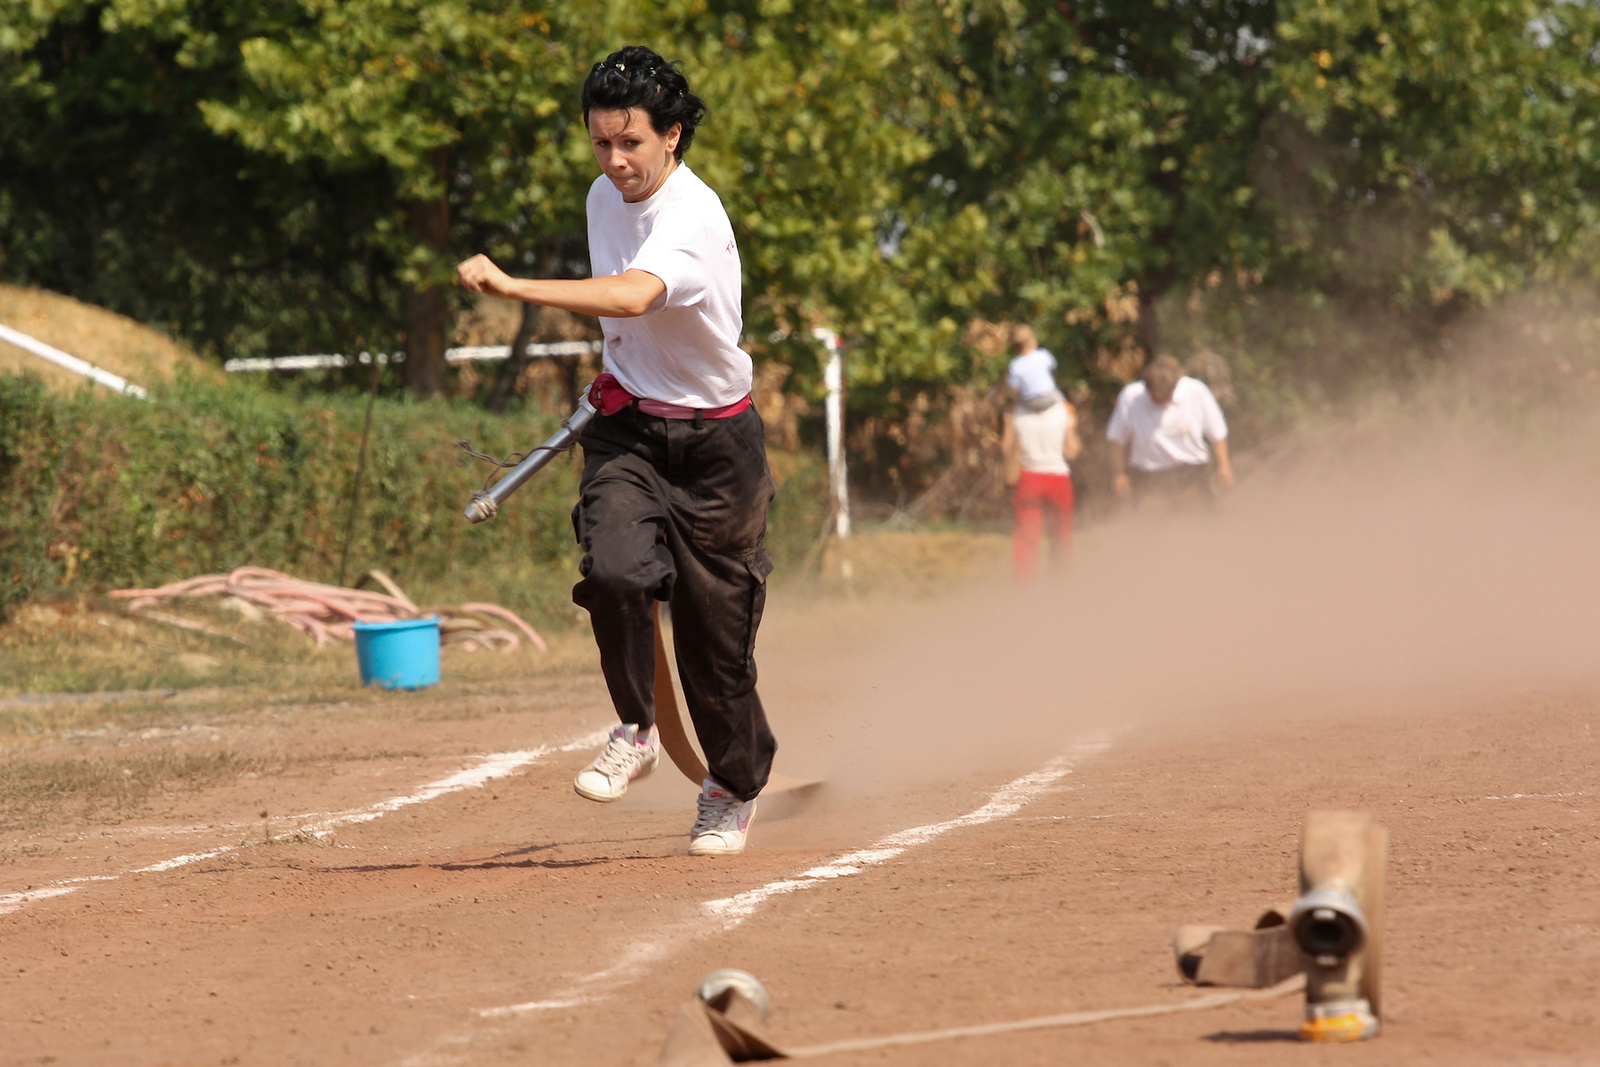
x=481, y=276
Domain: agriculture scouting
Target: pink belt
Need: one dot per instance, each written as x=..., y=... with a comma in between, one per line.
x=609, y=397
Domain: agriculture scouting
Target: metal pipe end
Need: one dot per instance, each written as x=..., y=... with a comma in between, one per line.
x=481, y=509
x=1328, y=924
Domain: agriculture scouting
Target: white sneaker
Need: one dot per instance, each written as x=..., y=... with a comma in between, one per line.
x=628, y=754
x=720, y=823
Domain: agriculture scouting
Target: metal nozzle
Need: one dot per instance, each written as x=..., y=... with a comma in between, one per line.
x=486, y=503
x=1328, y=924
x=482, y=508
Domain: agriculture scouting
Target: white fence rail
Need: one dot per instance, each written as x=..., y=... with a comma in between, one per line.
x=71, y=363
x=471, y=353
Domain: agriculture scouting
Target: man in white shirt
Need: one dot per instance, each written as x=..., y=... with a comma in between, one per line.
x=1163, y=432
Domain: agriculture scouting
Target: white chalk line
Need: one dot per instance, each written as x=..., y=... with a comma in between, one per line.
x=725, y=913
x=1007, y=800
x=320, y=824
x=1071, y=818
x=1537, y=796
x=1076, y=1018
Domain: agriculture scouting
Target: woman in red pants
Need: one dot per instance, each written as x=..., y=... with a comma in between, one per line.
x=1038, y=445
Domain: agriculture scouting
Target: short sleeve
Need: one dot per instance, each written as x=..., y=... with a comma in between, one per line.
x=1118, y=432
x=1215, y=426
x=675, y=254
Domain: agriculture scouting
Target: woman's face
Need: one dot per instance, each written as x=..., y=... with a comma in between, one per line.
x=632, y=154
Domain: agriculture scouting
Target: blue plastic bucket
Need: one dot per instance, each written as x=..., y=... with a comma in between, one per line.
x=398, y=655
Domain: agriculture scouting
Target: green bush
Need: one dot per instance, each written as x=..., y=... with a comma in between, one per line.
x=30, y=451
x=100, y=492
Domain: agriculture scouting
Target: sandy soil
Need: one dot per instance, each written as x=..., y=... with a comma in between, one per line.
x=396, y=940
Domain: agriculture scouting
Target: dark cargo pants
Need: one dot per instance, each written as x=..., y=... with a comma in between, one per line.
x=675, y=510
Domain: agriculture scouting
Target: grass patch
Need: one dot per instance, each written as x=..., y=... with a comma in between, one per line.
x=91, y=646
x=287, y=705
x=903, y=564
x=110, y=789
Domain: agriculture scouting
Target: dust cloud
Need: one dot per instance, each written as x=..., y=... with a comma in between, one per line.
x=1440, y=546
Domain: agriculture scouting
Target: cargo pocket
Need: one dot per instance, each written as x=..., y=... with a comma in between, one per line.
x=758, y=561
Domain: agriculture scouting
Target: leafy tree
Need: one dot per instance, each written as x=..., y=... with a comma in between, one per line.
x=262, y=173
x=1447, y=150
x=113, y=189
x=1422, y=158
x=1414, y=156
x=464, y=104
x=1093, y=150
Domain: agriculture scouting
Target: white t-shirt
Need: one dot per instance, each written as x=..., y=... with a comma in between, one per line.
x=1170, y=435
x=1041, y=435
x=685, y=349
x=1032, y=375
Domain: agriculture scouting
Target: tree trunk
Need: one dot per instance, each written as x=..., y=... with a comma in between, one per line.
x=546, y=264
x=425, y=307
x=569, y=379
x=505, y=377
x=1148, y=329
x=424, y=311
x=551, y=257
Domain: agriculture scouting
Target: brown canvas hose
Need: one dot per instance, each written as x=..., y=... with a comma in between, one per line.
x=669, y=720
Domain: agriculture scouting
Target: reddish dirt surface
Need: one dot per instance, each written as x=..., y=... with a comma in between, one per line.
x=387, y=944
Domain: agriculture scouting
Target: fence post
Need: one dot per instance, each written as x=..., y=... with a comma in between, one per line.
x=833, y=407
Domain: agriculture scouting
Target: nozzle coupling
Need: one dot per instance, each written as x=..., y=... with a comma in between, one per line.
x=1328, y=924
x=486, y=502
x=481, y=508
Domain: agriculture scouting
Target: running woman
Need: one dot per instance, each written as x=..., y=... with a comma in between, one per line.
x=673, y=499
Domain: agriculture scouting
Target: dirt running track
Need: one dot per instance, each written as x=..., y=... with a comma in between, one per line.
x=468, y=924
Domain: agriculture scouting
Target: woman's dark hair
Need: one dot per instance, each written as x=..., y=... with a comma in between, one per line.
x=637, y=76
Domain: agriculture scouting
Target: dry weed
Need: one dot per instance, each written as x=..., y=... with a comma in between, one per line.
x=108, y=789
x=80, y=648
x=110, y=341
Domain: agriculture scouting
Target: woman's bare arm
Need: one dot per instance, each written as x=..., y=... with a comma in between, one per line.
x=1010, y=452
x=617, y=296
x=1071, y=444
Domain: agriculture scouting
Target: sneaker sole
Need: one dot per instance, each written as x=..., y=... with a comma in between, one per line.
x=607, y=798
x=697, y=848
x=599, y=797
